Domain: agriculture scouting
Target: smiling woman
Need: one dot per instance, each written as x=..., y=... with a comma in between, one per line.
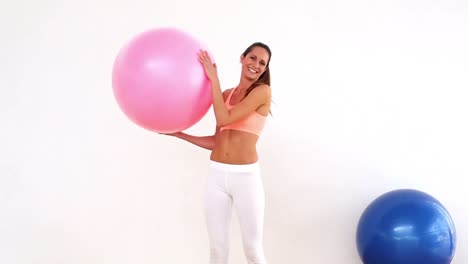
x=235, y=178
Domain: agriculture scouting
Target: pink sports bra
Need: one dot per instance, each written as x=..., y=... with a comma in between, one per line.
x=252, y=123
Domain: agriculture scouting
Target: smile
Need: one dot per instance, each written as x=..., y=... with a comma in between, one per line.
x=252, y=70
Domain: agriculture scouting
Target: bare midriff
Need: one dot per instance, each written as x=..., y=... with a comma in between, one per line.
x=235, y=147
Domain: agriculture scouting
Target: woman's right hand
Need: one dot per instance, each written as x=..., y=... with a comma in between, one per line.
x=206, y=142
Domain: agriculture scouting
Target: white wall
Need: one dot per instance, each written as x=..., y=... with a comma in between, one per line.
x=369, y=97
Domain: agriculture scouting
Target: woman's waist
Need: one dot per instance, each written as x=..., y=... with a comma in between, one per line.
x=234, y=147
x=227, y=166
x=234, y=156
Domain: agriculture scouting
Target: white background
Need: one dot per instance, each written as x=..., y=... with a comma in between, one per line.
x=369, y=97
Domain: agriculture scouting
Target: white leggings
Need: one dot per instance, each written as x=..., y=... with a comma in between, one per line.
x=240, y=186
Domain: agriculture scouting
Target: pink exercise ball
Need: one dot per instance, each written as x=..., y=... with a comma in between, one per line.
x=159, y=83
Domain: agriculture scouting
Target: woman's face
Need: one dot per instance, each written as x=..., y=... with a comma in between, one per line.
x=254, y=63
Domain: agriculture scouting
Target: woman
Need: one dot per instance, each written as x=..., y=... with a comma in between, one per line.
x=235, y=179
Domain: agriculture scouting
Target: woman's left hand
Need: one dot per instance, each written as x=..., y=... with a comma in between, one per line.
x=209, y=66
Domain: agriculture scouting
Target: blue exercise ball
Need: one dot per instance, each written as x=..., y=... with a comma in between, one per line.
x=406, y=227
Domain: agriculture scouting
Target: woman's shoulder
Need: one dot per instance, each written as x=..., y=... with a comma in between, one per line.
x=262, y=88
x=227, y=92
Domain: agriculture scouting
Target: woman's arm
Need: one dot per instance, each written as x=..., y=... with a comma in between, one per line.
x=206, y=142
x=259, y=96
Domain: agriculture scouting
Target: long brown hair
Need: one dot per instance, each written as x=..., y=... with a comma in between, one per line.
x=265, y=77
